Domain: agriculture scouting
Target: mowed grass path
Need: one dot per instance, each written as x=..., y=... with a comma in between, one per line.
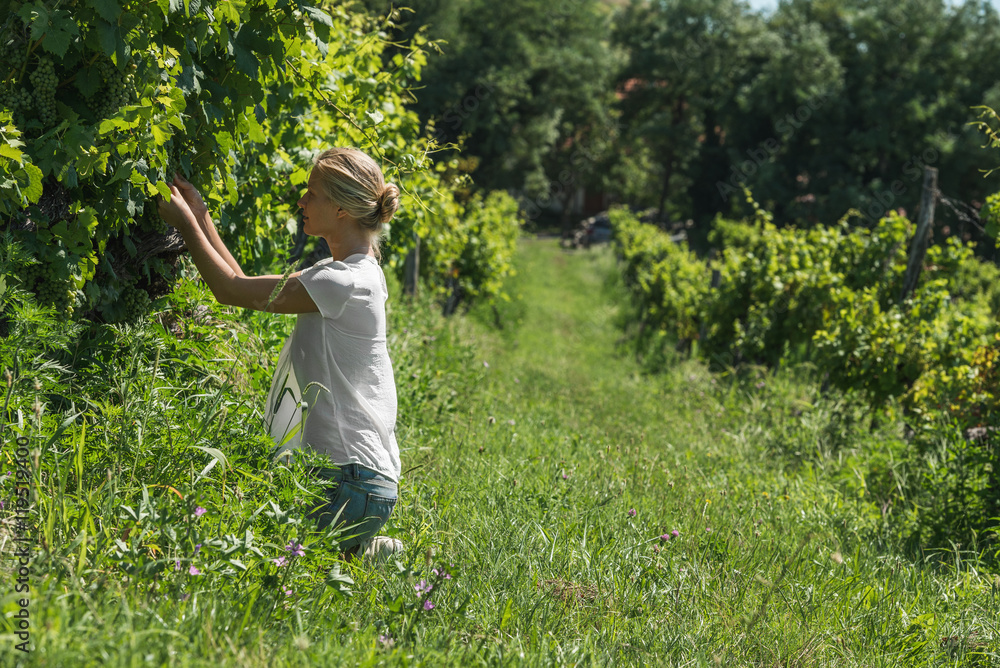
x=552, y=499
x=558, y=507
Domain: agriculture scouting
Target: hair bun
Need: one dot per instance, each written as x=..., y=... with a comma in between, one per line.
x=388, y=203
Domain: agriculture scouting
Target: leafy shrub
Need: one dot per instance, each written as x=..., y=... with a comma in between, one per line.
x=830, y=296
x=669, y=283
x=977, y=282
x=490, y=241
x=106, y=102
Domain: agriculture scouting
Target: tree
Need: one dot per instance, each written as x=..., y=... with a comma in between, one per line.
x=823, y=106
x=686, y=60
x=525, y=87
x=911, y=73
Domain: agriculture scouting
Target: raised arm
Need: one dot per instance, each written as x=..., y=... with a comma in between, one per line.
x=201, y=215
x=228, y=284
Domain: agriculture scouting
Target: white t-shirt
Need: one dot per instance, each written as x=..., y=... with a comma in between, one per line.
x=352, y=417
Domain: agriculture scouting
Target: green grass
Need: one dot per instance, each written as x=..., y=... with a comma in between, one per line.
x=525, y=450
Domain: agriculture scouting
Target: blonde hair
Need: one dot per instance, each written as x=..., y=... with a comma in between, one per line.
x=354, y=181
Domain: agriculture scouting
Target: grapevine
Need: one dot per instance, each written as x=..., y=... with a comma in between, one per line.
x=151, y=219
x=13, y=53
x=134, y=303
x=826, y=295
x=117, y=91
x=165, y=93
x=45, y=82
x=50, y=291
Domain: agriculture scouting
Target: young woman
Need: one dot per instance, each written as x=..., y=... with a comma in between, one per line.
x=337, y=353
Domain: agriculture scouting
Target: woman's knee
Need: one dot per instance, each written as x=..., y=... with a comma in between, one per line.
x=359, y=507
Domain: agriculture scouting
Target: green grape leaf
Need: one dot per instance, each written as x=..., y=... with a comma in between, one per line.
x=58, y=33
x=8, y=151
x=160, y=133
x=130, y=246
x=88, y=219
x=225, y=141
x=109, y=10
x=189, y=79
x=228, y=13
x=246, y=61
x=88, y=81
x=68, y=176
x=37, y=16
x=108, y=37
x=93, y=292
x=319, y=16
x=34, y=190
x=254, y=130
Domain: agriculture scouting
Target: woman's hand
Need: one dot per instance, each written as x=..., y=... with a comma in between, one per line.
x=192, y=197
x=177, y=212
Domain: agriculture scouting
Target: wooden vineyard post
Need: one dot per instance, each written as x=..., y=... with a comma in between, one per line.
x=411, y=269
x=923, y=236
x=714, y=285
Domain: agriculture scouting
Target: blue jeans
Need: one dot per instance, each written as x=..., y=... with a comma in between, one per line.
x=358, y=499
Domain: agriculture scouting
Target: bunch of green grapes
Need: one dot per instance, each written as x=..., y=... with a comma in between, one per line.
x=13, y=54
x=18, y=100
x=150, y=218
x=13, y=49
x=117, y=91
x=45, y=82
x=176, y=148
x=50, y=291
x=135, y=303
x=173, y=165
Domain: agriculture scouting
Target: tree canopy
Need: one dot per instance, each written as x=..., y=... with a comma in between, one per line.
x=818, y=107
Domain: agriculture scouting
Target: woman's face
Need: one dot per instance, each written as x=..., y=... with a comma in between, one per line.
x=320, y=214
